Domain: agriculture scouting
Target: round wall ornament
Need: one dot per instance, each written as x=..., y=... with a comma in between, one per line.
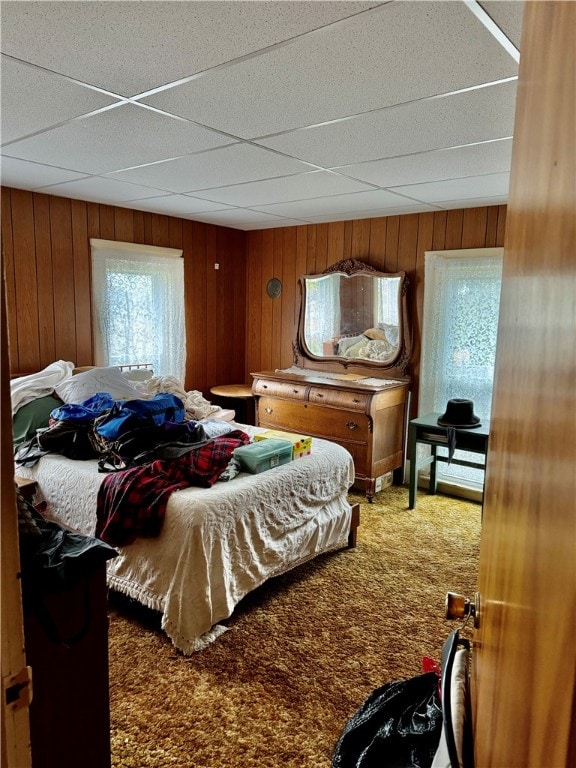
x=274, y=288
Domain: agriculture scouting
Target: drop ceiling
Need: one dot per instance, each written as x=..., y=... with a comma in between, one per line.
x=256, y=115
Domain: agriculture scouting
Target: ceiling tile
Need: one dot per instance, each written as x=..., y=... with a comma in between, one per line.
x=302, y=186
x=100, y=190
x=507, y=14
x=374, y=213
x=131, y=47
x=33, y=99
x=476, y=186
x=219, y=168
x=176, y=205
x=474, y=202
x=377, y=53
x=359, y=201
x=25, y=175
x=118, y=138
x=274, y=224
x=243, y=218
x=471, y=160
x=463, y=118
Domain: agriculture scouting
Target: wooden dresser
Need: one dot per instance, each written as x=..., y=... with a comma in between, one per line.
x=369, y=420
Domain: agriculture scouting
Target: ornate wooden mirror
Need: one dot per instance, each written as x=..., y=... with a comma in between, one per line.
x=354, y=319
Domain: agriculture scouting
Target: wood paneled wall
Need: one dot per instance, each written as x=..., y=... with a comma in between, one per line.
x=390, y=244
x=232, y=326
x=46, y=255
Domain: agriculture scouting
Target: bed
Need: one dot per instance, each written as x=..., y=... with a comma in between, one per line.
x=219, y=543
x=379, y=343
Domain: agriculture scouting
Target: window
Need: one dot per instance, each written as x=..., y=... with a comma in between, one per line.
x=323, y=319
x=387, y=292
x=138, y=306
x=461, y=305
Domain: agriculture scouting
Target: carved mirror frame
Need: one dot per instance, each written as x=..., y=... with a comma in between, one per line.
x=393, y=367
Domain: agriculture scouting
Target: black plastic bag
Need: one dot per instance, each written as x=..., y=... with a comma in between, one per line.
x=59, y=556
x=55, y=560
x=397, y=726
x=51, y=556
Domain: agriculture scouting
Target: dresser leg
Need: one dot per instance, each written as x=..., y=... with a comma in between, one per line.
x=370, y=490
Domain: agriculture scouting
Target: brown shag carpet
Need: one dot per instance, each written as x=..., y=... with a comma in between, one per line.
x=303, y=650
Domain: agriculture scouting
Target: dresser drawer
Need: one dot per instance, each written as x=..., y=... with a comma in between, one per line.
x=313, y=419
x=341, y=425
x=359, y=453
x=352, y=401
x=285, y=390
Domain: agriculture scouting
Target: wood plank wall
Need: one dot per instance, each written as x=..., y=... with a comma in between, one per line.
x=232, y=326
x=390, y=244
x=46, y=257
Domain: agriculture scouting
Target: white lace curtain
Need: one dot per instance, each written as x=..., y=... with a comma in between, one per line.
x=322, y=319
x=138, y=306
x=387, y=301
x=460, y=326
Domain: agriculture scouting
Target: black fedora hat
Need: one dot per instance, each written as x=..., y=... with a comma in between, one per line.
x=459, y=413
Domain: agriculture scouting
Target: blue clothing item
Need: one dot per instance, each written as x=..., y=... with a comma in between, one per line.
x=129, y=414
x=90, y=409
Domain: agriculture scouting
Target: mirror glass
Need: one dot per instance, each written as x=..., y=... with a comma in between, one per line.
x=353, y=316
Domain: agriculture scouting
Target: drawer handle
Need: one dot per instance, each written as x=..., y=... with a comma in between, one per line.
x=269, y=410
x=355, y=400
x=319, y=394
x=295, y=391
x=352, y=425
x=264, y=386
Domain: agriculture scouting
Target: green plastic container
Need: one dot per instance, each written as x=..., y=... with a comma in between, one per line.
x=266, y=454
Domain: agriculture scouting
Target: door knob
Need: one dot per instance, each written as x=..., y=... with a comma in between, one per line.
x=461, y=607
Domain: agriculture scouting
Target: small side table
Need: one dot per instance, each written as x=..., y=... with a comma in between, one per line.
x=242, y=394
x=427, y=431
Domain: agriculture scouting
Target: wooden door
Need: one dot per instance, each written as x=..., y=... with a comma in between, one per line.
x=15, y=728
x=523, y=685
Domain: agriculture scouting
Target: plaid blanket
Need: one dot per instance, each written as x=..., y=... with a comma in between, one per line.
x=133, y=502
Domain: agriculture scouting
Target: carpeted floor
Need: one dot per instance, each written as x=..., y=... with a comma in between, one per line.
x=304, y=650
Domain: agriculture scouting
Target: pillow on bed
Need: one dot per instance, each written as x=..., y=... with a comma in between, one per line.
x=32, y=416
x=138, y=374
x=375, y=334
x=348, y=341
x=84, y=385
x=392, y=333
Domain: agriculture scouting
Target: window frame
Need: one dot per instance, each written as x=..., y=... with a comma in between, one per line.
x=108, y=248
x=460, y=485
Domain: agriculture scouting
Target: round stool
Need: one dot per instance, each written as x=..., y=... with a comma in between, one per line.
x=243, y=397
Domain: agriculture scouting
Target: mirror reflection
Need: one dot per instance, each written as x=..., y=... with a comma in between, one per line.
x=354, y=316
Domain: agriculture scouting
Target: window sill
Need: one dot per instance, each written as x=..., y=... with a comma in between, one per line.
x=453, y=489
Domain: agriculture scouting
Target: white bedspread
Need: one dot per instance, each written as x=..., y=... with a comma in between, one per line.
x=217, y=544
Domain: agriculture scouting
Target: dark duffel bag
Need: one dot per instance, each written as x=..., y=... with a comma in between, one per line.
x=142, y=445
